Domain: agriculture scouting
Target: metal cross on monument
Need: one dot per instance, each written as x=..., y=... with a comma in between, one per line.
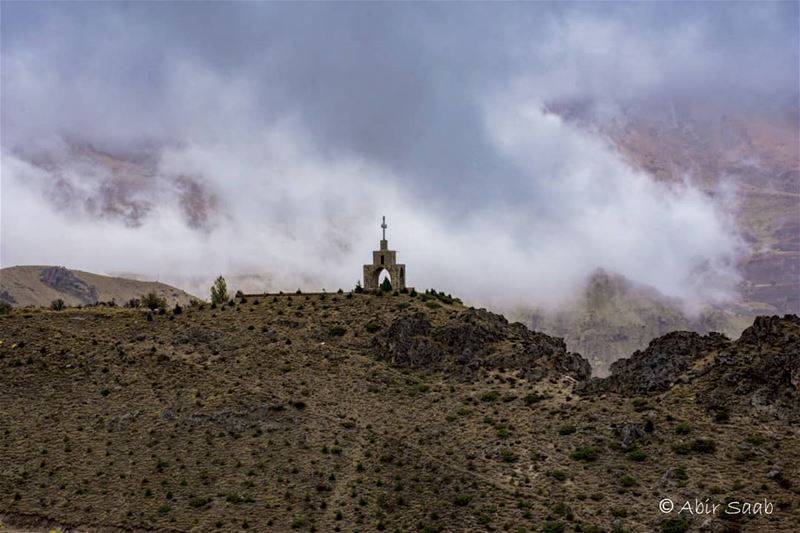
x=384, y=226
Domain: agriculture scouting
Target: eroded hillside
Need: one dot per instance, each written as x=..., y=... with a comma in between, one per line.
x=356, y=412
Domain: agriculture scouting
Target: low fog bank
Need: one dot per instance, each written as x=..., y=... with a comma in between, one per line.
x=271, y=206
x=265, y=141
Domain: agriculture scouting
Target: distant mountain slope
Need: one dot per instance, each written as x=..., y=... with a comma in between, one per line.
x=613, y=317
x=752, y=151
x=39, y=285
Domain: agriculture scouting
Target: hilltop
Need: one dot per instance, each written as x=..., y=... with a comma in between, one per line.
x=37, y=286
x=364, y=412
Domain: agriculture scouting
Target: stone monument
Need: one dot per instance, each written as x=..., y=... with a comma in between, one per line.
x=384, y=259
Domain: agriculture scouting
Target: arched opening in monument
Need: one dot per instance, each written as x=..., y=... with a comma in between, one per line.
x=384, y=275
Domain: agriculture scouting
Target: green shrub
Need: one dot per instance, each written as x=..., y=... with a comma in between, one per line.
x=337, y=331
x=5, y=308
x=755, y=439
x=490, y=396
x=560, y=475
x=386, y=285
x=235, y=498
x=637, y=455
x=432, y=305
x=683, y=428
x=533, y=398
x=553, y=527
x=57, y=305
x=219, y=291
x=508, y=456
x=628, y=481
x=442, y=297
x=462, y=500
x=675, y=525
x=199, y=501
x=681, y=448
x=153, y=301
x=588, y=453
x=704, y=446
x=372, y=327
x=721, y=413
x=567, y=429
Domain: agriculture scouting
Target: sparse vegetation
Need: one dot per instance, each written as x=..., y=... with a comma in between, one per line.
x=265, y=417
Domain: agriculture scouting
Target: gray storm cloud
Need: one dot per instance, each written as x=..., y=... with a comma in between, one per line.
x=270, y=138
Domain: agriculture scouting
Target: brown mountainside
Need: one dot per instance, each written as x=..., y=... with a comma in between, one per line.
x=345, y=412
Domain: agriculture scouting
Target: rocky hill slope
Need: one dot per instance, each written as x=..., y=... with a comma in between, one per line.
x=758, y=373
x=39, y=285
x=340, y=412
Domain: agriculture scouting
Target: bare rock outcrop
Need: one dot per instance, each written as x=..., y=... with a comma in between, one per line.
x=64, y=280
x=658, y=367
x=758, y=373
x=475, y=339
